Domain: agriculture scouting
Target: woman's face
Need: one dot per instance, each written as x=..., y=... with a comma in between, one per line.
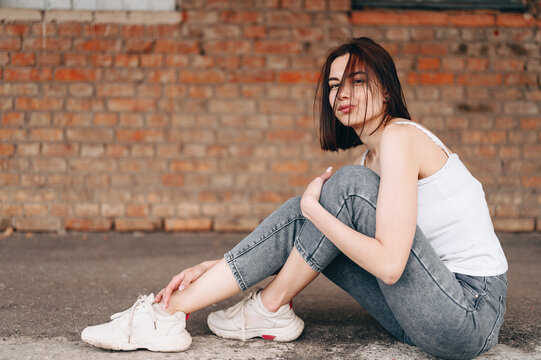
x=356, y=98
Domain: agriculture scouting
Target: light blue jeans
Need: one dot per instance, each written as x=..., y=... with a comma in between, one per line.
x=449, y=315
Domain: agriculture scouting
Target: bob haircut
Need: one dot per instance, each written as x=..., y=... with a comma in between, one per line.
x=363, y=51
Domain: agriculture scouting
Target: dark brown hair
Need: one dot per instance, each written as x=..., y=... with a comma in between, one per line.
x=333, y=135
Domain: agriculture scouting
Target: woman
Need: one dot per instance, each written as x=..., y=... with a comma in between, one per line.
x=441, y=288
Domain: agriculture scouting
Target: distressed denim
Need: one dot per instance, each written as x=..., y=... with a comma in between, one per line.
x=449, y=315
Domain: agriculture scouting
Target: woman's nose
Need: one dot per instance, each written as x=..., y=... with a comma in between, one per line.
x=344, y=91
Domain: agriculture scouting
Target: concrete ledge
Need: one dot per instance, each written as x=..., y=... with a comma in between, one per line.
x=110, y=17
x=8, y=14
x=68, y=15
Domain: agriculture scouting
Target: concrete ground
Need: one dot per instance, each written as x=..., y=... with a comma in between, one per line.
x=52, y=286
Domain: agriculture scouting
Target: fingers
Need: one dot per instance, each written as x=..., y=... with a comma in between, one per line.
x=159, y=296
x=327, y=174
x=187, y=280
x=172, y=286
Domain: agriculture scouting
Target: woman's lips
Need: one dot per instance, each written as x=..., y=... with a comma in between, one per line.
x=345, y=108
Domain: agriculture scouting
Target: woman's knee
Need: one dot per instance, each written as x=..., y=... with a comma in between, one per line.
x=351, y=180
x=350, y=173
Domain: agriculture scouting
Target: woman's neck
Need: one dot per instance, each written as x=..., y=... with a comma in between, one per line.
x=370, y=138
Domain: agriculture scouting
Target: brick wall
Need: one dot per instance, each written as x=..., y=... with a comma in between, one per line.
x=201, y=119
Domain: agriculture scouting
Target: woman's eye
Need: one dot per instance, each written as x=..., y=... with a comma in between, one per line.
x=333, y=86
x=359, y=81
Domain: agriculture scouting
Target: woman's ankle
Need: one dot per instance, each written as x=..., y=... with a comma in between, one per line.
x=269, y=303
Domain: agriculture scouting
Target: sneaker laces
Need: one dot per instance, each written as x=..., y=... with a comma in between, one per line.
x=131, y=311
x=234, y=310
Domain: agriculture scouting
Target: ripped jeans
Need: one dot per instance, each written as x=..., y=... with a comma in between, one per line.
x=446, y=314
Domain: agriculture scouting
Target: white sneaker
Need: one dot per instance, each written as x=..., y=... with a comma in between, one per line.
x=249, y=319
x=142, y=326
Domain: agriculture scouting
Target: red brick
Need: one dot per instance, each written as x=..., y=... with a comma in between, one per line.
x=47, y=44
x=146, y=135
x=12, y=119
x=75, y=59
x=424, y=49
x=89, y=165
x=10, y=44
x=7, y=134
x=152, y=60
x=130, y=104
x=477, y=64
x=515, y=20
x=418, y=18
x=17, y=29
x=71, y=29
x=532, y=181
x=472, y=19
x=430, y=78
x=132, y=30
x=290, y=166
x=254, y=32
x=255, y=61
x=26, y=74
x=126, y=60
x=101, y=60
x=532, y=151
x=228, y=46
x=177, y=46
x=125, y=224
x=63, y=149
x=35, y=210
x=286, y=135
x=246, y=76
x=23, y=59
x=530, y=123
x=191, y=224
x=97, y=45
x=289, y=18
x=514, y=225
x=480, y=79
x=521, y=79
x=47, y=134
x=89, y=134
x=49, y=59
x=428, y=64
x=298, y=77
x=60, y=210
x=7, y=149
x=24, y=103
x=114, y=89
x=94, y=224
x=101, y=30
x=137, y=210
x=202, y=76
x=508, y=65
x=162, y=76
x=37, y=224
x=49, y=164
x=278, y=47
x=9, y=179
x=136, y=46
x=193, y=166
x=76, y=75
x=241, y=17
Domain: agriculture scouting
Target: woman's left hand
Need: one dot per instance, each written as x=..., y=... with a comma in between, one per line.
x=313, y=191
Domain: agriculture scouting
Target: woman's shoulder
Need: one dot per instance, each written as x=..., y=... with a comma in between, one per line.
x=398, y=130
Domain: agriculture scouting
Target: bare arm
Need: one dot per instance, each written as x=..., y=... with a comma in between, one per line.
x=386, y=254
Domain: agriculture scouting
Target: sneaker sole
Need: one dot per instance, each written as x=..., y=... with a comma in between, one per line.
x=174, y=343
x=288, y=333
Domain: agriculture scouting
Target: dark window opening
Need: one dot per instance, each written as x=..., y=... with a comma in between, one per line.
x=502, y=5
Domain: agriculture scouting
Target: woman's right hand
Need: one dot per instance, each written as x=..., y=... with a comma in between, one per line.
x=182, y=281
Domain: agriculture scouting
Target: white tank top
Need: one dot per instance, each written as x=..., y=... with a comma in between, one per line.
x=453, y=214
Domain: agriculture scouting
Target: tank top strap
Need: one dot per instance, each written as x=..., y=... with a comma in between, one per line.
x=428, y=133
x=363, y=158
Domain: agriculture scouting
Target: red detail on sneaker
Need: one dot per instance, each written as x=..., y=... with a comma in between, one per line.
x=187, y=316
x=268, y=337
x=291, y=304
